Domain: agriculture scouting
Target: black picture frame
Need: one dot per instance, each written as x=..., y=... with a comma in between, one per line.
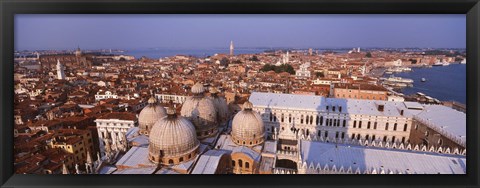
x=9, y=8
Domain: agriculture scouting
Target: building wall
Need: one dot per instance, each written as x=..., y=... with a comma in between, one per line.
x=243, y=164
x=176, y=99
x=359, y=94
x=421, y=134
x=336, y=124
x=113, y=129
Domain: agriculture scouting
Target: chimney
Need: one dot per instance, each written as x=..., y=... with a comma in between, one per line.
x=380, y=107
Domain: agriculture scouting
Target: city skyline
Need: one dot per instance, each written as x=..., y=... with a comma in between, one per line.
x=63, y=32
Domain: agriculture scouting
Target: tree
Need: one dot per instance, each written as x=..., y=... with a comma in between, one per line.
x=278, y=69
x=254, y=58
x=368, y=55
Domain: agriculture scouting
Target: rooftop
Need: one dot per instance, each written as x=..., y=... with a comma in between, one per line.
x=445, y=120
x=367, y=158
x=119, y=115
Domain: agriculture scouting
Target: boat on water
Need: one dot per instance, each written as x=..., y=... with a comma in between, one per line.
x=399, y=79
x=424, y=80
x=438, y=63
x=441, y=63
x=464, y=61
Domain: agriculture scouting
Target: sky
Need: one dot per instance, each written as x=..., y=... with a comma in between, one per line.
x=41, y=32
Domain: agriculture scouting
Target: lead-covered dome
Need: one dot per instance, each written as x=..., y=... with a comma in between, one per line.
x=198, y=88
x=247, y=127
x=201, y=111
x=149, y=115
x=221, y=106
x=172, y=140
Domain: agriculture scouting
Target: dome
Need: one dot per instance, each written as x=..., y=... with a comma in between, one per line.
x=172, y=140
x=198, y=88
x=221, y=106
x=202, y=113
x=247, y=127
x=149, y=115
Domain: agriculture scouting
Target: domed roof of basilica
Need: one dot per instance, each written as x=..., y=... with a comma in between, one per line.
x=172, y=136
x=221, y=106
x=149, y=115
x=198, y=88
x=201, y=111
x=247, y=127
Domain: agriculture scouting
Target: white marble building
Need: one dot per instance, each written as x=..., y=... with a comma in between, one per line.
x=105, y=95
x=166, y=98
x=112, y=129
x=335, y=118
x=303, y=72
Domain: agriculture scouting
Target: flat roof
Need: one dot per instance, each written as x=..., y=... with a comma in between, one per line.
x=135, y=157
x=368, y=158
x=208, y=162
x=319, y=104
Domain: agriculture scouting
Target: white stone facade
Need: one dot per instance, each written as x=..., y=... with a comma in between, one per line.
x=166, y=98
x=106, y=95
x=114, y=131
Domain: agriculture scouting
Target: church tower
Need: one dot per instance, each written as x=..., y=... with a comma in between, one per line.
x=231, y=48
x=60, y=71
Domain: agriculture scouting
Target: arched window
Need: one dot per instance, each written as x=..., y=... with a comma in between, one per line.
x=385, y=139
x=440, y=142
x=247, y=165
x=366, y=137
x=344, y=123
x=170, y=161
x=373, y=138
x=358, y=136
x=301, y=119
x=289, y=118
x=405, y=127
x=393, y=139
x=282, y=118
x=375, y=125
x=317, y=120
x=355, y=124
x=368, y=125
x=319, y=133
x=353, y=136
x=386, y=126
x=181, y=159
x=233, y=163
x=395, y=126
x=271, y=117
x=321, y=120
x=360, y=124
x=240, y=163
